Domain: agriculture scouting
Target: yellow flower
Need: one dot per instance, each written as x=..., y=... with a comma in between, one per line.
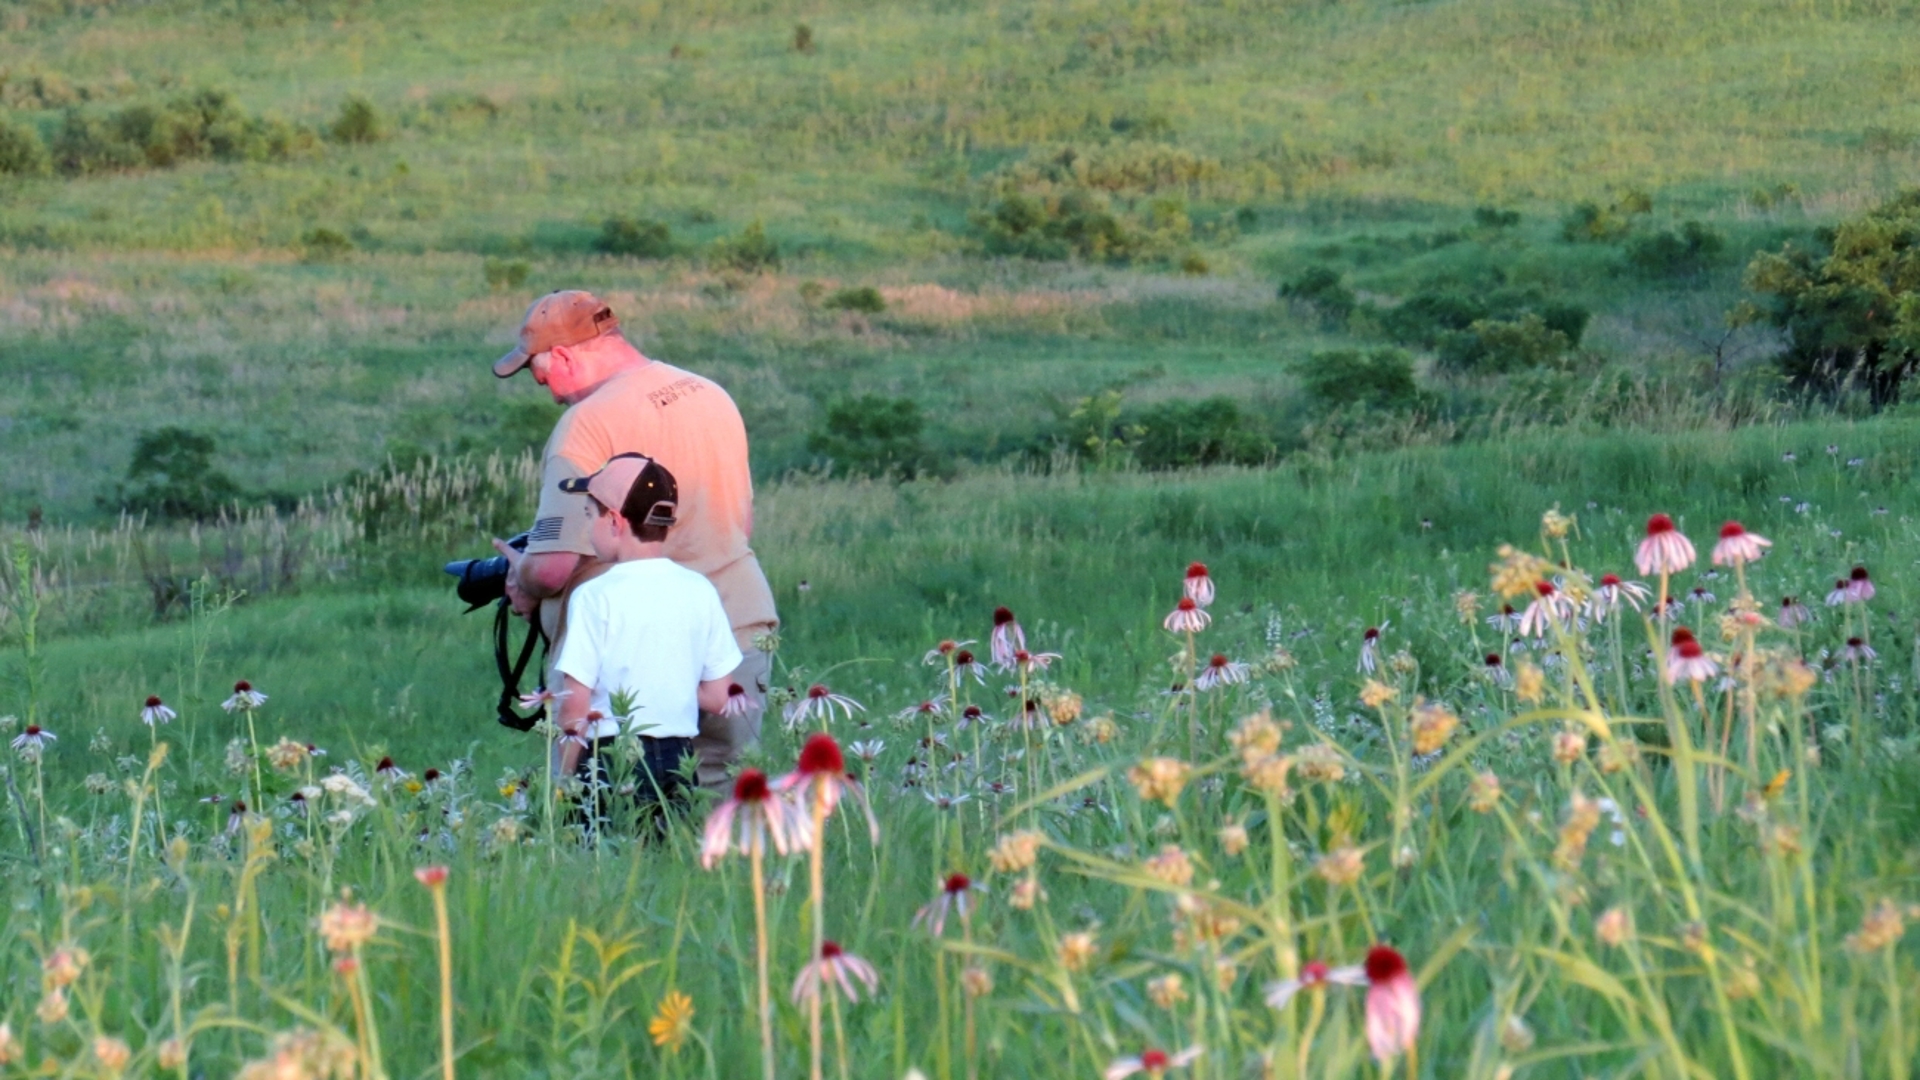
x=671, y=1021
x=1233, y=839
x=1569, y=746
x=53, y=1007
x=1015, y=852
x=1341, y=866
x=287, y=755
x=1433, y=725
x=1256, y=736
x=414, y=787
x=1583, y=816
x=1376, y=693
x=977, y=981
x=1530, y=683
x=1025, y=893
x=1613, y=926
x=171, y=1055
x=1102, y=730
x=1268, y=775
x=113, y=1054
x=1518, y=572
x=1171, y=866
x=1320, y=762
x=1777, y=785
x=345, y=927
x=1483, y=793
x=1168, y=991
x=10, y=1048
x=1076, y=950
x=1160, y=779
x=1064, y=707
x=1466, y=604
x=1879, y=929
x=1555, y=524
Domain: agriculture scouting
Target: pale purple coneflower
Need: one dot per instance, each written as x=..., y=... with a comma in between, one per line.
x=838, y=968
x=1314, y=975
x=1199, y=585
x=1687, y=660
x=1506, y=620
x=34, y=740
x=1007, y=637
x=1187, y=617
x=820, y=777
x=753, y=816
x=946, y=802
x=1613, y=592
x=956, y=892
x=1665, y=550
x=965, y=664
x=1792, y=613
x=866, y=751
x=939, y=653
x=1737, y=545
x=542, y=697
x=820, y=703
x=155, y=711
x=1027, y=663
x=1550, y=608
x=1857, y=650
x=1393, y=1004
x=1152, y=1062
x=1859, y=586
x=1497, y=670
x=931, y=709
x=1700, y=595
x=1221, y=671
x=1370, y=647
x=245, y=698
x=738, y=703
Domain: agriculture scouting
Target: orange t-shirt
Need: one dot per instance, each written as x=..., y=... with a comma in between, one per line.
x=690, y=425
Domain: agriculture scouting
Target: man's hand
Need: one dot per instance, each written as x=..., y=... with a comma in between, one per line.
x=522, y=604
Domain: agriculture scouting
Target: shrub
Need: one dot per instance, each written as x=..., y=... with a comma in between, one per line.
x=203, y=124
x=1589, y=222
x=1322, y=289
x=324, y=245
x=1502, y=346
x=638, y=238
x=1077, y=222
x=803, y=38
x=502, y=274
x=864, y=298
x=1183, y=434
x=752, y=252
x=22, y=153
x=358, y=122
x=1667, y=254
x=1379, y=378
x=872, y=435
x=172, y=476
x=1492, y=217
x=1568, y=319
x=1425, y=317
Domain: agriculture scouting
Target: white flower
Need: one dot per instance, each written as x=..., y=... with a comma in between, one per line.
x=245, y=698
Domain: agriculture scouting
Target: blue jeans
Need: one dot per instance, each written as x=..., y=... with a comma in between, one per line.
x=634, y=797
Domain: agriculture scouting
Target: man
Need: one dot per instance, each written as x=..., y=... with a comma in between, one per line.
x=619, y=401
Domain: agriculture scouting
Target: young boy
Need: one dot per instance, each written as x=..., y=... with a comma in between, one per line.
x=648, y=628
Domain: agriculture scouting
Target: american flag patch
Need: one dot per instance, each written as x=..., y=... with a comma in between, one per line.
x=545, y=529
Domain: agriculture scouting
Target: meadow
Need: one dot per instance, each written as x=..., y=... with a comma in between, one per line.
x=1028, y=306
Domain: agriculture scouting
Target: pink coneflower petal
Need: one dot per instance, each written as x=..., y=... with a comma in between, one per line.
x=1393, y=1004
x=1737, y=545
x=1199, y=585
x=1665, y=550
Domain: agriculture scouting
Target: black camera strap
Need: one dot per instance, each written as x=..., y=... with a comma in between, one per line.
x=510, y=674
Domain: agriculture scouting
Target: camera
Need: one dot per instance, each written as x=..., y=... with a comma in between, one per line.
x=483, y=581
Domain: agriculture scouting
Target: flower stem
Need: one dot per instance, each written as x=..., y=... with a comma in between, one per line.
x=760, y=954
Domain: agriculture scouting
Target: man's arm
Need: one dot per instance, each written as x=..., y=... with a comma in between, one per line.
x=533, y=578
x=713, y=694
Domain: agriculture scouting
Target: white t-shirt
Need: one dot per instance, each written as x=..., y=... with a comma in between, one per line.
x=654, y=629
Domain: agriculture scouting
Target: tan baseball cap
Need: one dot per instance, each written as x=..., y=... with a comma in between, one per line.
x=636, y=485
x=561, y=318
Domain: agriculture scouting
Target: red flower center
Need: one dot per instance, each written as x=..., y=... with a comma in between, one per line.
x=430, y=775
x=241, y=687
x=1853, y=643
x=1384, y=963
x=1859, y=574
x=1690, y=650
x=1786, y=601
x=1152, y=1060
x=1659, y=523
x=1195, y=570
x=1373, y=632
x=1609, y=579
x=822, y=755
x=1506, y=609
x=1219, y=660
x=1682, y=637
x=1186, y=604
x=958, y=883
x=1732, y=529
x=1002, y=616
x=239, y=806
x=830, y=950
x=1314, y=973
x=817, y=691
x=972, y=712
x=1493, y=659
x=33, y=729
x=751, y=786
x=963, y=657
x=153, y=701
x=948, y=646
x=1021, y=656
x=386, y=765
x=1544, y=588
x=736, y=690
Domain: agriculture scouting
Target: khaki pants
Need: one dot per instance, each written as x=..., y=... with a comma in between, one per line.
x=722, y=739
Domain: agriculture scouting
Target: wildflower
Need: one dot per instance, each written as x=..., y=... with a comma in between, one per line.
x=1187, y=617
x=1171, y=866
x=1007, y=637
x=738, y=704
x=1515, y=1036
x=245, y=698
x=1221, y=671
x=542, y=697
x=1268, y=775
x=866, y=751
x=1102, y=729
x=954, y=894
x=286, y=755
x=1737, y=545
x=759, y=817
x=155, y=711
x=1015, y=852
x=1314, y=975
x=822, y=704
x=1025, y=893
x=53, y=1007
x=671, y=1021
x=1517, y=571
x=1880, y=928
x=1792, y=613
x=1255, y=736
x=1617, y=755
x=33, y=741
x=393, y=774
x=1550, y=607
x=433, y=877
x=1319, y=762
x=976, y=981
x=1153, y=1063
x=1370, y=648
x=1233, y=838
x=1583, y=816
x=1076, y=950
x=1496, y=671
x=1393, y=1004
x=835, y=967
x=63, y=965
x=1612, y=592
x=1700, y=595
x=1376, y=693
x=1342, y=866
x=1613, y=927
x=1569, y=746
x=1169, y=991
x=1687, y=660
x=939, y=653
x=1199, y=585
x=10, y=1048
x=112, y=1053
x=1530, y=683
x=1028, y=662
x=1506, y=620
x=1857, y=650
x=1859, y=587
x=1433, y=724
x=1665, y=550
x=1555, y=524
x=1483, y=792
x=1160, y=779
x=1466, y=604
x=345, y=927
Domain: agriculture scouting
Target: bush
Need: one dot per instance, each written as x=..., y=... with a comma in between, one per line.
x=357, y=122
x=1674, y=255
x=1322, y=289
x=638, y=238
x=872, y=435
x=1492, y=217
x=1379, y=379
x=752, y=252
x=502, y=274
x=803, y=39
x=324, y=245
x=172, y=476
x=1425, y=317
x=1502, y=346
x=22, y=153
x=1078, y=222
x=1589, y=222
x=204, y=124
x=864, y=298
x=1183, y=434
